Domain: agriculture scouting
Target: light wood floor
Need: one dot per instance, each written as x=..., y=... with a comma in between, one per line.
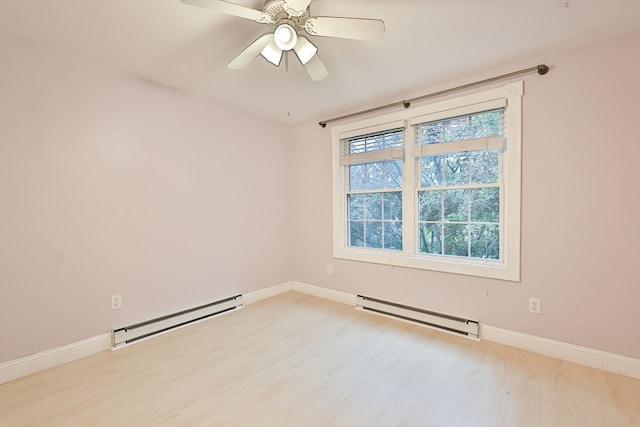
x=295, y=360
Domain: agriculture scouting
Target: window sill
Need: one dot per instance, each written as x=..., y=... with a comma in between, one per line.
x=473, y=267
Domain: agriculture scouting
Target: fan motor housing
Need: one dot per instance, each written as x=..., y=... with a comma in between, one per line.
x=275, y=9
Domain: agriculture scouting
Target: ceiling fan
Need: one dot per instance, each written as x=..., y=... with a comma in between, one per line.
x=288, y=18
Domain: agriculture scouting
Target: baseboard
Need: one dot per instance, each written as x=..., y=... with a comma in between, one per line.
x=586, y=356
x=330, y=294
x=611, y=362
x=259, y=295
x=27, y=365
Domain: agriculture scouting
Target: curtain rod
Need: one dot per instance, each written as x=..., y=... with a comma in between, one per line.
x=541, y=69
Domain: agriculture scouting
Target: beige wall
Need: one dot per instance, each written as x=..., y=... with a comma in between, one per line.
x=113, y=185
x=580, y=211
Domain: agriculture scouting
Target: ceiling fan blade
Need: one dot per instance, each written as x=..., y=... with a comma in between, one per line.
x=345, y=28
x=316, y=69
x=250, y=53
x=222, y=6
x=296, y=7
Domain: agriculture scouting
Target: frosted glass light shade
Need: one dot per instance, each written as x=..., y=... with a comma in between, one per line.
x=272, y=53
x=285, y=36
x=305, y=49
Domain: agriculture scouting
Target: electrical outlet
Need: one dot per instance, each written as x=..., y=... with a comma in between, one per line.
x=329, y=270
x=116, y=302
x=534, y=305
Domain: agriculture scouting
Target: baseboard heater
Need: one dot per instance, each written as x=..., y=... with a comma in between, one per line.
x=148, y=328
x=443, y=322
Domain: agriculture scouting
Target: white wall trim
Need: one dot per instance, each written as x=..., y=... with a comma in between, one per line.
x=27, y=365
x=611, y=362
x=326, y=293
x=271, y=291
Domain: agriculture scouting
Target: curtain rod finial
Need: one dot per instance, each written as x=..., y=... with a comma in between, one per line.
x=543, y=69
x=323, y=124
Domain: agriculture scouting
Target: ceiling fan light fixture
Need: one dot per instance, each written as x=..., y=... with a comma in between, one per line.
x=305, y=49
x=285, y=36
x=272, y=53
x=285, y=18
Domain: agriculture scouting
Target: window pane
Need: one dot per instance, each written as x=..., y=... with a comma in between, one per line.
x=357, y=146
x=392, y=205
x=476, y=125
x=373, y=232
x=373, y=176
x=393, y=235
x=375, y=142
x=431, y=171
x=430, y=240
x=356, y=233
x=394, y=139
x=456, y=205
x=356, y=206
x=376, y=175
x=485, y=241
x=373, y=206
x=430, y=206
x=485, y=204
x=392, y=170
x=483, y=125
x=455, y=129
x=431, y=133
x=484, y=167
x=356, y=177
x=456, y=169
x=456, y=239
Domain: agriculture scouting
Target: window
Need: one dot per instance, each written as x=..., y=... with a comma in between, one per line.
x=436, y=187
x=374, y=194
x=459, y=191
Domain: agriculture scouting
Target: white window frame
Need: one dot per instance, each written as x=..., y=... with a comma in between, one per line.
x=508, y=267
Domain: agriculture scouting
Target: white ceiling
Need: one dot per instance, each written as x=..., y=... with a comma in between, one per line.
x=426, y=41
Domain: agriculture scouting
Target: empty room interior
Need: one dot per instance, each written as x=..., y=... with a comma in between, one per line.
x=319, y=213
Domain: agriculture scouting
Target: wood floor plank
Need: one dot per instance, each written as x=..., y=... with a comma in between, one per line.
x=296, y=360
